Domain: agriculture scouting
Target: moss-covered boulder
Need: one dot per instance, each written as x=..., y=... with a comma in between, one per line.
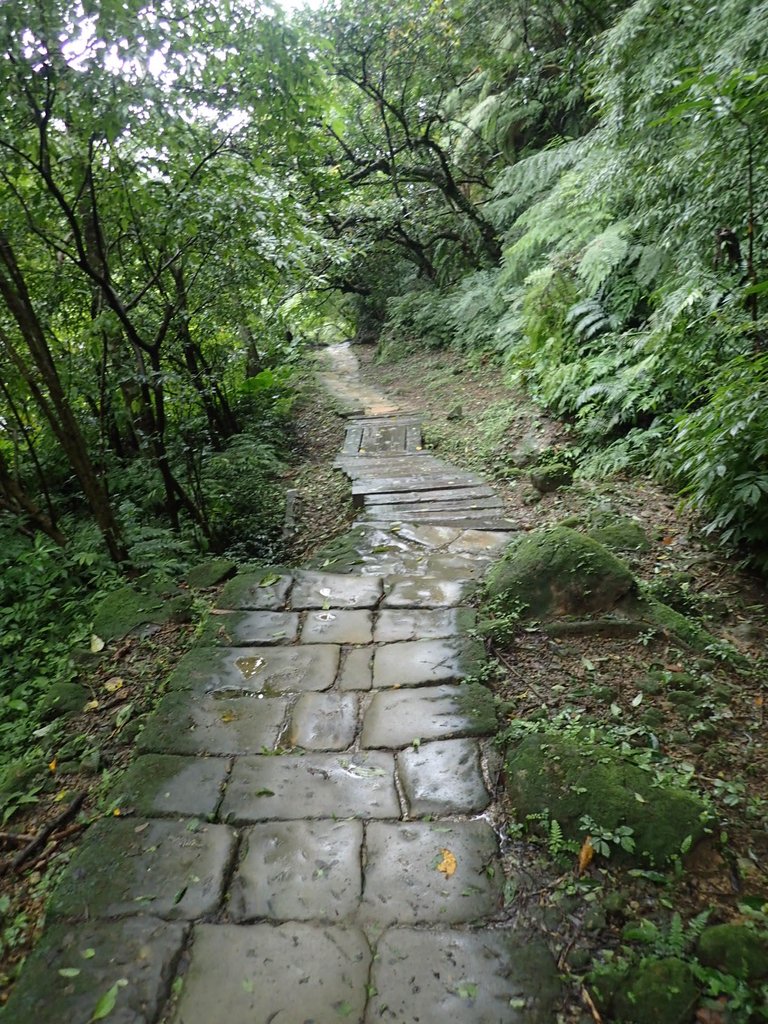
x=61, y=699
x=657, y=991
x=735, y=949
x=560, y=572
x=621, y=534
x=211, y=573
x=149, y=600
x=569, y=777
x=551, y=477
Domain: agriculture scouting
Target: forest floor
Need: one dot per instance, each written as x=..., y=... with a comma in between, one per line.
x=715, y=739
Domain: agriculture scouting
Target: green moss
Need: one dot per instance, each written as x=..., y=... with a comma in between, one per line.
x=621, y=535
x=342, y=554
x=61, y=699
x=560, y=572
x=569, y=777
x=477, y=701
x=149, y=600
x=658, y=991
x=550, y=478
x=735, y=949
x=210, y=573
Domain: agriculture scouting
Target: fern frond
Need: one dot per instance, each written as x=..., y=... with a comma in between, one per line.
x=604, y=254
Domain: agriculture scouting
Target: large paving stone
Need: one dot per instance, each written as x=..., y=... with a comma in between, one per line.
x=128, y=866
x=395, y=624
x=403, y=881
x=288, y=787
x=257, y=669
x=299, y=871
x=161, y=784
x=356, y=672
x=239, y=629
x=443, y=778
x=395, y=718
x=324, y=721
x=419, y=662
x=423, y=592
x=266, y=590
x=335, y=590
x=482, y=541
x=476, y=977
x=184, y=723
x=295, y=973
x=337, y=627
x=96, y=955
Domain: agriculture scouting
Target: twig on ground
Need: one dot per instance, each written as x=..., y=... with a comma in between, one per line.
x=47, y=831
x=591, y=1005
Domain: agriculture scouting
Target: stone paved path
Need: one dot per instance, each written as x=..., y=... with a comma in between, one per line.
x=306, y=842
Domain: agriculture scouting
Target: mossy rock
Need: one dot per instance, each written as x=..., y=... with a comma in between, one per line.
x=547, y=479
x=661, y=991
x=149, y=600
x=211, y=573
x=61, y=699
x=621, y=535
x=570, y=776
x=560, y=572
x=477, y=701
x=674, y=590
x=735, y=949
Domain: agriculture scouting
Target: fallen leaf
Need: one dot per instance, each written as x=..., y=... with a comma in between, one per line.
x=106, y=1004
x=228, y=716
x=467, y=990
x=92, y=705
x=97, y=644
x=586, y=853
x=270, y=579
x=52, y=766
x=113, y=685
x=69, y=972
x=448, y=864
x=88, y=954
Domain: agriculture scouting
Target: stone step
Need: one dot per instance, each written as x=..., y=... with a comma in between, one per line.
x=409, y=510
x=440, y=494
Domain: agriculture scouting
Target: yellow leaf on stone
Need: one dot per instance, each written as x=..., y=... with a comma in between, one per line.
x=113, y=685
x=448, y=864
x=92, y=705
x=586, y=853
x=228, y=716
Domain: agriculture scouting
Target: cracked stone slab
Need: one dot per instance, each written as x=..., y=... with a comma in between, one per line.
x=429, y=536
x=335, y=590
x=128, y=866
x=158, y=785
x=395, y=718
x=184, y=723
x=299, y=871
x=142, y=950
x=289, y=787
x=267, y=670
x=476, y=977
x=395, y=624
x=404, y=882
x=443, y=778
x=243, y=629
x=356, y=672
x=324, y=721
x=265, y=590
x=423, y=592
x=419, y=662
x=294, y=972
x=337, y=627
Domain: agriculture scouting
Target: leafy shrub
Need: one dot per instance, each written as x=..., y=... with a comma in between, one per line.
x=719, y=453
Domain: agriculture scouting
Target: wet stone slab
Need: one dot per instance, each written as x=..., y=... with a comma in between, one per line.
x=158, y=785
x=299, y=871
x=356, y=672
x=244, y=974
x=334, y=590
x=443, y=778
x=324, y=721
x=184, y=723
x=238, y=629
x=289, y=787
x=143, y=950
x=476, y=977
x=337, y=627
x=174, y=870
x=430, y=873
x=266, y=590
x=420, y=662
x=394, y=625
x=395, y=718
x=257, y=669
x=482, y=541
x=423, y=592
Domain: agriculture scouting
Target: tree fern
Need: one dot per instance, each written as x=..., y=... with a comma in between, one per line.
x=604, y=253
